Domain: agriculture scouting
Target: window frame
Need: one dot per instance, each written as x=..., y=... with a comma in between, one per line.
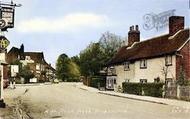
x=144, y=61
x=126, y=66
x=143, y=81
x=167, y=63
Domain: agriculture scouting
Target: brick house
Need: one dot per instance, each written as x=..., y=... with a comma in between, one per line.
x=35, y=60
x=158, y=59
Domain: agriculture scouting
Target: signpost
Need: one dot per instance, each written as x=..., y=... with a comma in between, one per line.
x=7, y=15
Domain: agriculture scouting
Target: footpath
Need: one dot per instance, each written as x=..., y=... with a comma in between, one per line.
x=164, y=101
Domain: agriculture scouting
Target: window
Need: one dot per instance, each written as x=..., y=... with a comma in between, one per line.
x=37, y=66
x=127, y=80
x=126, y=66
x=143, y=80
x=115, y=81
x=168, y=60
x=143, y=64
x=157, y=80
x=27, y=57
x=18, y=57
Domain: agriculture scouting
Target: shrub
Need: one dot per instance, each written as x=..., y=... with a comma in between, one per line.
x=148, y=89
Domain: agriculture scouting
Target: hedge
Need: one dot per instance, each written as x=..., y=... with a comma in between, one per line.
x=147, y=89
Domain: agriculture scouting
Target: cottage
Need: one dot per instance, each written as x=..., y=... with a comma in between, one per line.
x=35, y=60
x=159, y=59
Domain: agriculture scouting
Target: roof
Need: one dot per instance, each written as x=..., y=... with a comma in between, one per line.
x=14, y=50
x=36, y=56
x=154, y=47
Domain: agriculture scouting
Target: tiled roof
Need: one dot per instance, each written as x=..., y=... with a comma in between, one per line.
x=153, y=47
x=36, y=56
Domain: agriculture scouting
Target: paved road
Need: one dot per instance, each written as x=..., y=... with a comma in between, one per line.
x=67, y=101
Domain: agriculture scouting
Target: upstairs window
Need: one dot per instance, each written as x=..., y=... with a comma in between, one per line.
x=126, y=66
x=37, y=66
x=168, y=60
x=143, y=64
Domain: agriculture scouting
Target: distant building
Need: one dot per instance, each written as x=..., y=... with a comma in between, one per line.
x=152, y=60
x=35, y=60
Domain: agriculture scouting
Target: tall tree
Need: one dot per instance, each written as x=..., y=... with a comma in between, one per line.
x=62, y=67
x=110, y=43
x=91, y=60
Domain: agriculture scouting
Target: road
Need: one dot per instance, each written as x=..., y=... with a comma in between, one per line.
x=67, y=101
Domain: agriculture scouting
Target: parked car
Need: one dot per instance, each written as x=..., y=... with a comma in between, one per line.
x=5, y=83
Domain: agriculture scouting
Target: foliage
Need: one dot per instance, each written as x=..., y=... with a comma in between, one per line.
x=26, y=73
x=110, y=43
x=148, y=89
x=95, y=81
x=66, y=69
x=62, y=67
x=91, y=60
x=181, y=79
x=96, y=55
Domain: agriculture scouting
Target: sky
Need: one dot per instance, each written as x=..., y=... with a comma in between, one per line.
x=69, y=26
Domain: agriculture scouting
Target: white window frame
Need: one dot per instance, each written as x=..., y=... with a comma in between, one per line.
x=168, y=60
x=143, y=64
x=126, y=66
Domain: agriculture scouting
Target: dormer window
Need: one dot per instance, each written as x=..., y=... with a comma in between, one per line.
x=143, y=64
x=126, y=66
x=168, y=60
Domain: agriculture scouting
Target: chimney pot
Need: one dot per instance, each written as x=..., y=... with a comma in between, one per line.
x=137, y=28
x=133, y=35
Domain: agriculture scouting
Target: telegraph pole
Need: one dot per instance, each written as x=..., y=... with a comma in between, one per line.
x=7, y=16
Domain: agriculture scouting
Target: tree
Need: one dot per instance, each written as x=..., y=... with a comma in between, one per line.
x=26, y=73
x=67, y=69
x=91, y=60
x=62, y=68
x=110, y=43
x=96, y=55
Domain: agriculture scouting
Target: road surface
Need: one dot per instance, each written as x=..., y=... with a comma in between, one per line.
x=67, y=101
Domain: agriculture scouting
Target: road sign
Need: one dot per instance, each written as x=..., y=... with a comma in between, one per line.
x=4, y=42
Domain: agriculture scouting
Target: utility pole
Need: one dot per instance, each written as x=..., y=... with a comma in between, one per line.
x=7, y=15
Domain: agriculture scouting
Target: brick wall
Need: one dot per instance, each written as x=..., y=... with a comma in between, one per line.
x=184, y=61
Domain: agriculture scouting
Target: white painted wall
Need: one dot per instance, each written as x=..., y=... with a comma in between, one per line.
x=2, y=56
x=153, y=70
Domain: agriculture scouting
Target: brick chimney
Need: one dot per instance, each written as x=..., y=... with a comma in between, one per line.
x=176, y=23
x=133, y=35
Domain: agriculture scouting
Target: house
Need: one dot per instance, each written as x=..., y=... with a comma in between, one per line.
x=35, y=60
x=158, y=59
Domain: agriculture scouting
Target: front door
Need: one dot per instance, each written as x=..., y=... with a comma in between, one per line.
x=110, y=82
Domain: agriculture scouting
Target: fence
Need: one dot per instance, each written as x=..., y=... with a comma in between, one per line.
x=178, y=92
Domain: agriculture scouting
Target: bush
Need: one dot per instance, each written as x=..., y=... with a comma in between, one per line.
x=147, y=89
x=95, y=81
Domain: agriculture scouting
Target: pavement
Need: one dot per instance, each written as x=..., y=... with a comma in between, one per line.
x=164, y=101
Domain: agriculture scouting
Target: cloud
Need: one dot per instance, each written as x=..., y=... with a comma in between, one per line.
x=70, y=22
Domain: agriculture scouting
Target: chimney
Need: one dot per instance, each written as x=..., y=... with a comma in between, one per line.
x=22, y=48
x=176, y=23
x=133, y=35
